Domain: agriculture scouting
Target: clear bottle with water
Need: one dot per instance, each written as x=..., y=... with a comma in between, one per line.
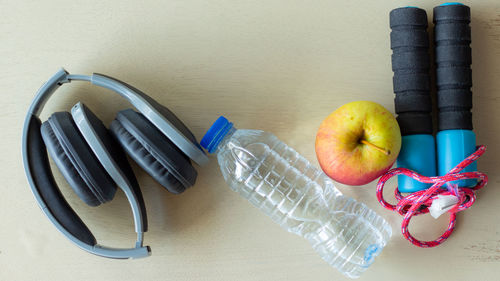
x=299, y=197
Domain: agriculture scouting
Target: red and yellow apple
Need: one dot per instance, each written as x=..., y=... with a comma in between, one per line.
x=358, y=142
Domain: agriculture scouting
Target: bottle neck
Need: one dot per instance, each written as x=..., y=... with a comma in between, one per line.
x=225, y=139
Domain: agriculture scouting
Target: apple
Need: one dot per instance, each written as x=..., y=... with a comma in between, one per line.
x=358, y=142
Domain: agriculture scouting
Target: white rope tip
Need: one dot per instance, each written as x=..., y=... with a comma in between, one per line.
x=442, y=204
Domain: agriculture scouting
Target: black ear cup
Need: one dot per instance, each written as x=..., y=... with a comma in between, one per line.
x=76, y=161
x=153, y=151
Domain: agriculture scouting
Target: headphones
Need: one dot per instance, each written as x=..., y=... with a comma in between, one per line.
x=91, y=159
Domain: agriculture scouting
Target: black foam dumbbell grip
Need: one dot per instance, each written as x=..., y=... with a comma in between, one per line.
x=410, y=63
x=453, y=73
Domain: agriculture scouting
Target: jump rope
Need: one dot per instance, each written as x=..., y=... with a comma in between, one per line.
x=443, y=168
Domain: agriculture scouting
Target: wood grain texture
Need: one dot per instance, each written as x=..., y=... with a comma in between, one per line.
x=280, y=66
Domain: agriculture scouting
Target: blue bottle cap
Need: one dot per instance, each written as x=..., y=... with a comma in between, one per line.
x=215, y=134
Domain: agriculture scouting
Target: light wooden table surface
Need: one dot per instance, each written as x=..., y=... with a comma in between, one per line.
x=280, y=66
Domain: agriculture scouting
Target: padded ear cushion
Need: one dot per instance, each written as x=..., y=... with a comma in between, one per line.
x=76, y=161
x=153, y=151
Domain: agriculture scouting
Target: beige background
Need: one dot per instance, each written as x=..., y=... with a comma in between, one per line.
x=280, y=66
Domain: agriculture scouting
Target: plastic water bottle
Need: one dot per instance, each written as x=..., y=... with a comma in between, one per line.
x=299, y=197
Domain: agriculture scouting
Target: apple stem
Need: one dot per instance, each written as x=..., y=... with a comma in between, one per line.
x=385, y=151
